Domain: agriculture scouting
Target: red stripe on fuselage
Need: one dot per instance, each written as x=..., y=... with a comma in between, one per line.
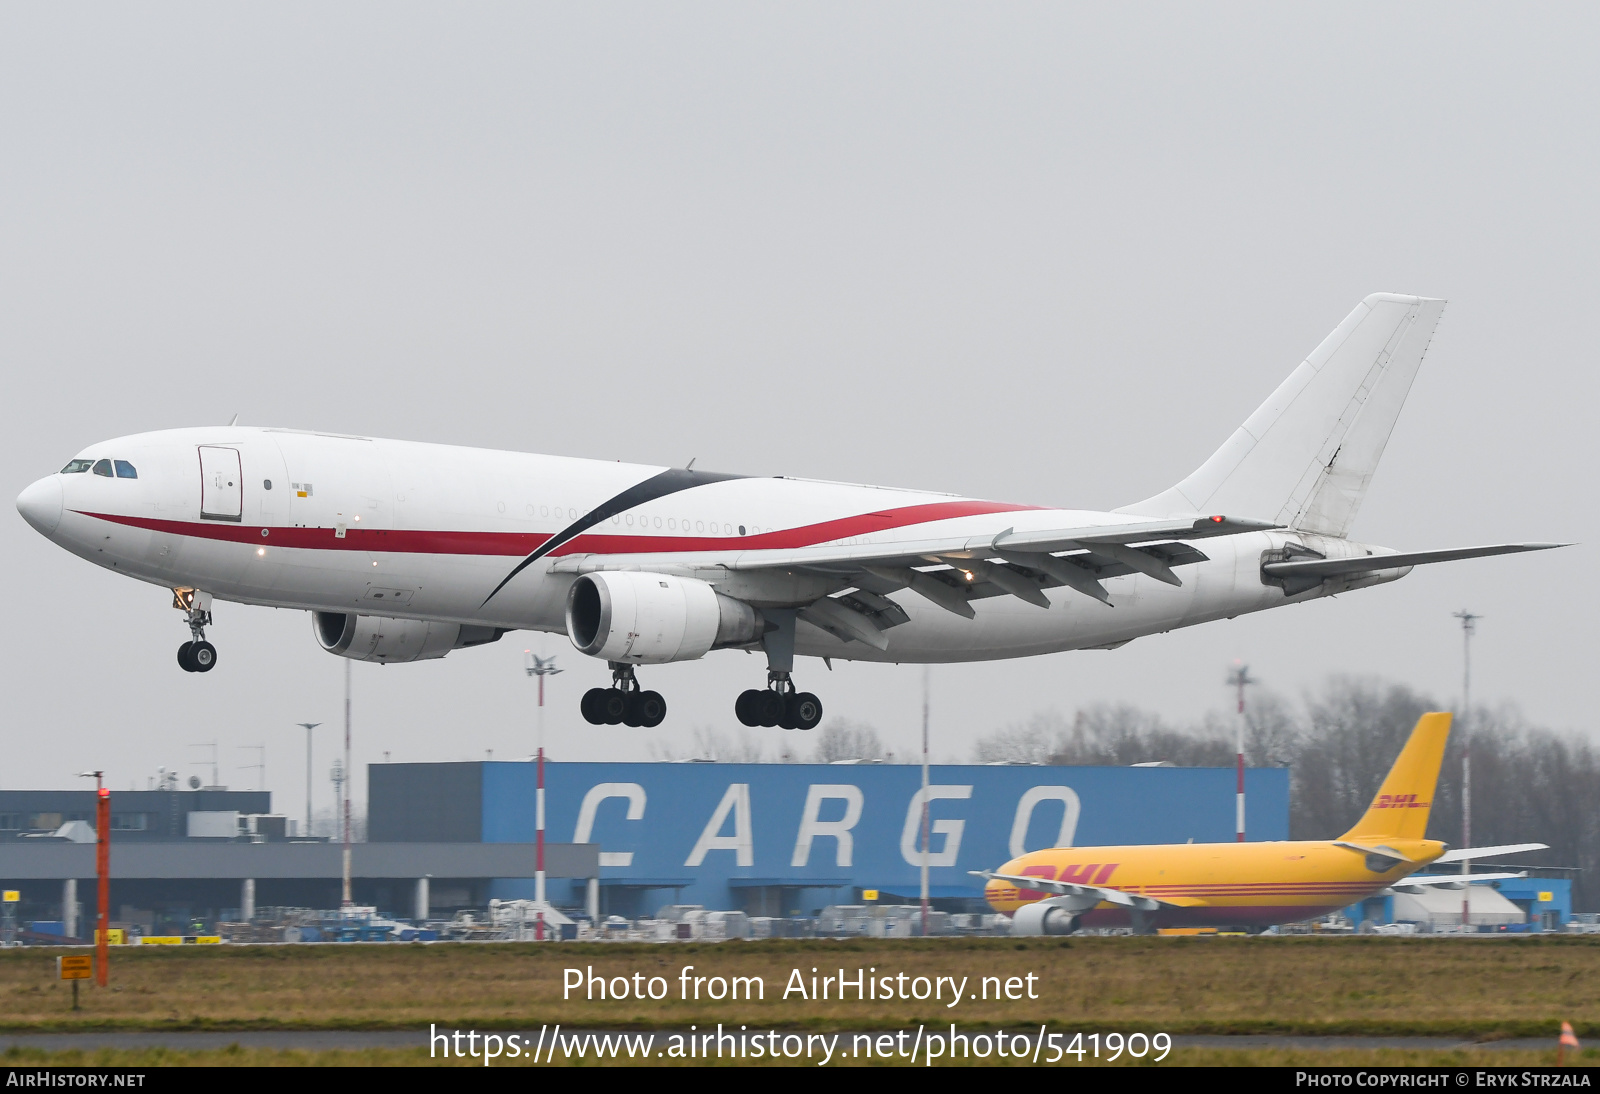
x=521, y=544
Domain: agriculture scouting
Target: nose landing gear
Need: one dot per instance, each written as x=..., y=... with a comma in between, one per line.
x=197, y=655
x=623, y=703
x=779, y=705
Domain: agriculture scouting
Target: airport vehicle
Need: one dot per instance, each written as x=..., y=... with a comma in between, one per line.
x=405, y=551
x=1248, y=885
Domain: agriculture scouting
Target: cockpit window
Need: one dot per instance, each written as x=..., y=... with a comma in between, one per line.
x=125, y=470
x=103, y=467
x=76, y=467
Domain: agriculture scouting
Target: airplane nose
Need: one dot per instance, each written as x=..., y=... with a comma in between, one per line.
x=40, y=504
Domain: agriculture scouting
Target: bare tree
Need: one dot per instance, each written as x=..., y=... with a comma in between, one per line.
x=1033, y=741
x=842, y=739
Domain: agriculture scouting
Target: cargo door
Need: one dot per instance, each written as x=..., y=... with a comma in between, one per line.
x=221, y=484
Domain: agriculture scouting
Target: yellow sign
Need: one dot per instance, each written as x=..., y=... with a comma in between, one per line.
x=180, y=940
x=79, y=967
x=1547, y=898
x=869, y=894
x=115, y=936
x=13, y=896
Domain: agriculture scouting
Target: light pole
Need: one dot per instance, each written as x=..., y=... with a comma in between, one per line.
x=926, y=678
x=345, y=901
x=1469, y=626
x=102, y=870
x=308, y=726
x=1240, y=678
x=539, y=667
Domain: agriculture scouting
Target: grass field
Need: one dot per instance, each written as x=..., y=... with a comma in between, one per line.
x=1474, y=989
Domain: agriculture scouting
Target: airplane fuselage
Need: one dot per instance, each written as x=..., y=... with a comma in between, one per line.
x=1216, y=884
x=442, y=533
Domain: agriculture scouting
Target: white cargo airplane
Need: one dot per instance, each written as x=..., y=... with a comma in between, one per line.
x=405, y=551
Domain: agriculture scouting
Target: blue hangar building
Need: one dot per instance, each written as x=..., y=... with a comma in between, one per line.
x=776, y=839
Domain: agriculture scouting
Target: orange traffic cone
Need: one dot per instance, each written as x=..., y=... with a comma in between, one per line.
x=1568, y=1040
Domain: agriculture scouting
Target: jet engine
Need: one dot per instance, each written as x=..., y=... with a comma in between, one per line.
x=376, y=638
x=650, y=619
x=1043, y=917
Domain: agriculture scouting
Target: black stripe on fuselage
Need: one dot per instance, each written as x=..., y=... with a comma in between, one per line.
x=671, y=481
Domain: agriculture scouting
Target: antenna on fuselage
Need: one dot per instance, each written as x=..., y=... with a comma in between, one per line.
x=235, y=421
x=690, y=465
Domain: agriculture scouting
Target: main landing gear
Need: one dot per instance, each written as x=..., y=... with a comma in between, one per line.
x=197, y=655
x=779, y=705
x=623, y=703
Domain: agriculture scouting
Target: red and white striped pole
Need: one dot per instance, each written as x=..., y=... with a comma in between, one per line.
x=1239, y=678
x=539, y=667
x=538, y=866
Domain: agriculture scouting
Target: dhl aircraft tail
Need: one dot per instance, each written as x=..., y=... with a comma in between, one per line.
x=1400, y=811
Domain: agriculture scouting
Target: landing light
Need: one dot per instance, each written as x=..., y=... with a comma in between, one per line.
x=261, y=552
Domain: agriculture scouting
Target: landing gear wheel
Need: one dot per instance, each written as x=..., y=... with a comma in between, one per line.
x=747, y=709
x=615, y=707
x=650, y=708
x=768, y=709
x=803, y=710
x=203, y=656
x=184, y=661
x=594, y=706
x=630, y=709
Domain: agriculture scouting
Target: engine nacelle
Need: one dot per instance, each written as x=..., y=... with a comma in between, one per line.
x=650, y=619
x=376, y=638
x=1042, y=917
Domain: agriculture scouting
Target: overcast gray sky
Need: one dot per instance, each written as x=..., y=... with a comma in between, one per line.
x=1042, y=253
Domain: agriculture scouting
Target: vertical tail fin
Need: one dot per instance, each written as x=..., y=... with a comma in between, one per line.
x=1400, y=811
x=1307, y=454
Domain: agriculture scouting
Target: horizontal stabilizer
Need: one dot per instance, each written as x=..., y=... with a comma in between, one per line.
x=1427, y=882
x=1333, y=567
x=1461, y=853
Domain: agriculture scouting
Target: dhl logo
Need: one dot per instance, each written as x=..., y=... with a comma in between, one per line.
x=1399, y=801
x=1094, y=873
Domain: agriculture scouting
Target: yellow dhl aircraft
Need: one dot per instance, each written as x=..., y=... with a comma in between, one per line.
x=1245, y=884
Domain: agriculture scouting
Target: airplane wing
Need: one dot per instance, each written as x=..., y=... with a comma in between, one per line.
x=1338, y=567
x=953, y=571
x=1099, y=893
x=1490, y=852
x=1420, y=884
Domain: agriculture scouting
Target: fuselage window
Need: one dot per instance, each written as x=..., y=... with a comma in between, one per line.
x=741, y=529
x=699, y=526
x=103, y=467
x=266, y=484
x=77, y=467
x=126, y=470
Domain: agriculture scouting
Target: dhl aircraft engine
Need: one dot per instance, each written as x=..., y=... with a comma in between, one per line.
x=650, y=619
x=375, y=638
